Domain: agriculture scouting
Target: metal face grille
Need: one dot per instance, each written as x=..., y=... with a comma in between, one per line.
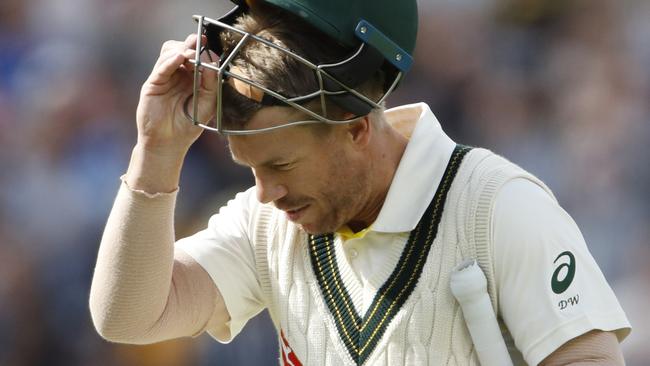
x=222, y=68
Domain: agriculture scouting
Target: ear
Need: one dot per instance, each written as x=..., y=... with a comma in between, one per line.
x=359, y=132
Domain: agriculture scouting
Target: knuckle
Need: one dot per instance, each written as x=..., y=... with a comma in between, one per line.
x=168, y=45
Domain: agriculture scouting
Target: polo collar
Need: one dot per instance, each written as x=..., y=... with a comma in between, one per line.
x=419, y=172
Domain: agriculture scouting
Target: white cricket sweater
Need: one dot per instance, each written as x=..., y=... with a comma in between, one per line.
x=259, y=260
x=428, y=328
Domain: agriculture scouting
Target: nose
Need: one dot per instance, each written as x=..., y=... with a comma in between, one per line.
x=269, y=190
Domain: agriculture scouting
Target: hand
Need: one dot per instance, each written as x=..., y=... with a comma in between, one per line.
x=161, y=122
x=164, y=133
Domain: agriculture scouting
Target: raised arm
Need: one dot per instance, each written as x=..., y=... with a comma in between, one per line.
x=143, y=291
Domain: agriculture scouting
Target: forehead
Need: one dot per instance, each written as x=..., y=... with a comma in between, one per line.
x=274, y=146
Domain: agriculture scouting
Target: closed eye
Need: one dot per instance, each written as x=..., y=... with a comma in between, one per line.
x=282, y=166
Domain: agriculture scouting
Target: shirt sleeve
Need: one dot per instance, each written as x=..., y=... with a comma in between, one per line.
x=225, y=251
x=549, y=287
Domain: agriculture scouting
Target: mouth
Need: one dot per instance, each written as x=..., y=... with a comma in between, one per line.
x=295, y=214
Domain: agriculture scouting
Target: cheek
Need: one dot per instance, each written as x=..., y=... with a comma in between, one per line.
x=316, y=180
x=329, y=181
x=335, y=191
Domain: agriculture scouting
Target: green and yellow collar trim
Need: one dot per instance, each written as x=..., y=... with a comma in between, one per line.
x=360, y=334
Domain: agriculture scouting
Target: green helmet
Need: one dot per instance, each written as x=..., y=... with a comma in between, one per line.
x=390, y=26
x=380, y=34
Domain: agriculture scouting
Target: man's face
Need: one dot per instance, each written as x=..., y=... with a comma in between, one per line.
x=316, y=177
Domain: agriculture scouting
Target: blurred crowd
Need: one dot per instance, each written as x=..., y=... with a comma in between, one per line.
x=561, y=87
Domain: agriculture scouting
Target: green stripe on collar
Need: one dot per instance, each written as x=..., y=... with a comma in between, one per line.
x=362, y=334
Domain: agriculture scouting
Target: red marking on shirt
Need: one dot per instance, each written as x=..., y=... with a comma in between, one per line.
x=289, y=358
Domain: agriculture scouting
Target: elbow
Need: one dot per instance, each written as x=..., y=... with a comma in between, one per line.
x=113, y=325
x=108, y=327
x=108, y=333
x=100, y=315
x=115, y=331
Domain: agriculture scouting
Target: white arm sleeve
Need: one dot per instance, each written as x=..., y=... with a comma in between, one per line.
x=550, y=289
x=224, y=249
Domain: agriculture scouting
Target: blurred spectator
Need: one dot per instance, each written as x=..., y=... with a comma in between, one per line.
x=634, y=295
x=21, y=305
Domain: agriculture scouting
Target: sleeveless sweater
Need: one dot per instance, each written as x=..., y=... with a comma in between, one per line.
x=313, y=298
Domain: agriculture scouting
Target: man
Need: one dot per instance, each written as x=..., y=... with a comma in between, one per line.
x=358, y=215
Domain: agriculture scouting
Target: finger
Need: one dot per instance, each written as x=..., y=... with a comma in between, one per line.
x=189, y=54
x=169, y=49
x=209, y=87
x=209, y=76
x=190, y=41
x=163, y=72
x=170, y=45
x=172, y=61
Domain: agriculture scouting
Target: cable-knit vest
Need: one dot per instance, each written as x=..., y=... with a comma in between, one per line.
x=305, y=284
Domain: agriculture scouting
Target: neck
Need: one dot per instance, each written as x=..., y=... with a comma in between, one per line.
x=384, y=160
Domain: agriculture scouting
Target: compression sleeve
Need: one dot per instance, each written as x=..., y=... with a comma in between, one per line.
x=142, y=291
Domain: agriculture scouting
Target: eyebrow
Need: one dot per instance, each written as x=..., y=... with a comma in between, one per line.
x=267, y=163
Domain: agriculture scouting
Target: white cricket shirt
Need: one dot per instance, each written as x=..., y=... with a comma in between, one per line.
x=532, y=236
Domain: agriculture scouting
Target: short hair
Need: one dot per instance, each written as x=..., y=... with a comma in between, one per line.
x=277, y=70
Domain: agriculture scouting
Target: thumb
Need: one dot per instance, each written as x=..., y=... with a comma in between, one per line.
x=208, y=75
x=207, y=92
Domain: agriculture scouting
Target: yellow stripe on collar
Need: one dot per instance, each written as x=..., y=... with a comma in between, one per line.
x=346, y=233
